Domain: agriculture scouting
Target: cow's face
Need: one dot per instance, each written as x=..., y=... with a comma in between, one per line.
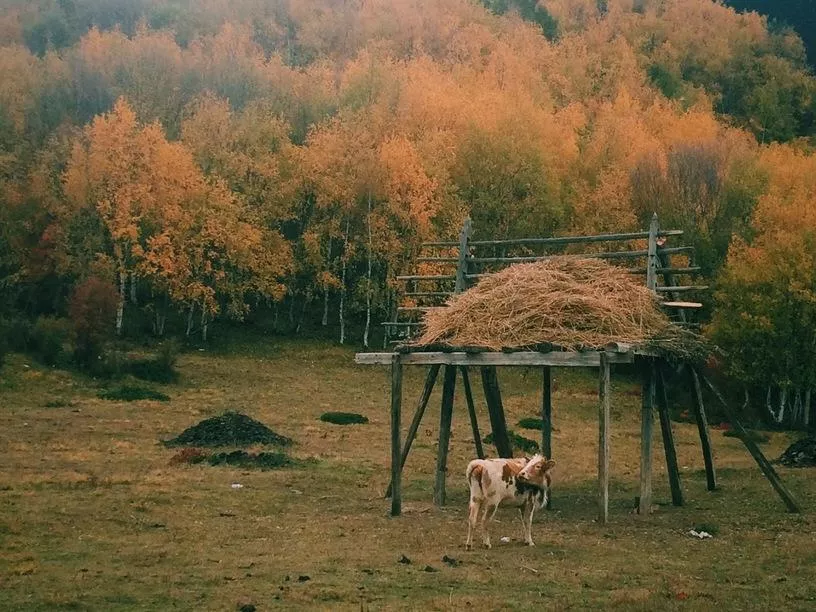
x=537, y=471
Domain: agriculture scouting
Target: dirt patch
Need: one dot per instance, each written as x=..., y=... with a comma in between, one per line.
x=343, y=418
x=239, y=458
x=129, y=393
x=228, y=429
x=801, y=453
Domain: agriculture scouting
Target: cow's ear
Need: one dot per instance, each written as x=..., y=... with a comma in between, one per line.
x=550, y=464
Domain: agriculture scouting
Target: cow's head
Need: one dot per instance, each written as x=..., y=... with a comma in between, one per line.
x=537, y=471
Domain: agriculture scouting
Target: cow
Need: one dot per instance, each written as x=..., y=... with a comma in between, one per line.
x=522, y=483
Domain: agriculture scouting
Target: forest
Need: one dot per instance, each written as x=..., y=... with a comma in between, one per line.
x=170, y=164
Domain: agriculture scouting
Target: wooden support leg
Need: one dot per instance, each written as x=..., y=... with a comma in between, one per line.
x=474, y=423
x=702, y=427
x=430, y=381
x=646, y=426
x=396, y=466
x=764, y=465
x=546, y=412
x=603, y=440
x=444, y=434
x=490, y=384
x=668, y=440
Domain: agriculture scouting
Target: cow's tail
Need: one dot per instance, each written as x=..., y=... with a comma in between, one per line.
x=475, y=470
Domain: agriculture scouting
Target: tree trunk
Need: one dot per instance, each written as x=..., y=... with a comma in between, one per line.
x=120, y=309
x=807, y=408
x=368, y=277
x=343, y=286
x=133, y=288
x=203, y=323
x=325, y=321
x=302, y=314
x=783, y=401
x=190, y=320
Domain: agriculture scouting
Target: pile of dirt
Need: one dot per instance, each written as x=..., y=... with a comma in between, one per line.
x=567, y=302
x=228, y=429
x=343, y=418
x=801, y=453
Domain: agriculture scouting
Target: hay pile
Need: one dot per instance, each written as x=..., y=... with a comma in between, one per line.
x=568, y=302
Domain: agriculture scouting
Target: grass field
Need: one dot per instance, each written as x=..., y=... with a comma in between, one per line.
x=93, y=516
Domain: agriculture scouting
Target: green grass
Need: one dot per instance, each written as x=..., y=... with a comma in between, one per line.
x=93, y=515
x=132, y=393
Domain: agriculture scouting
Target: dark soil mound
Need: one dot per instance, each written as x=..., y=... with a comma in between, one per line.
x=228, y=429
x=519, y=442
x=343, y=418
x=800, y=454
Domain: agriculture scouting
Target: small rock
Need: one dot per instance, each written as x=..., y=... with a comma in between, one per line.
x=450, y=561
x=237, y=485
x=247, y=608
x=504, y=539
x=430, y=568
x=404, y=560
x=304, y=578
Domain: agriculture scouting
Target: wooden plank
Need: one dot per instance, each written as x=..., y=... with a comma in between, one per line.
x=445, y=418
x=396, y=465
x=461, y=268
x=400, y=324
x=686, y=270
x=416, y=308
x=603, y=440
x=702, y=428
x=652, y=262
x=495, y=409
x=674, y=250
x=682, y=304
x=606, y=255
x=524, y=358
x=437, y=259
x=668, y=439
x=764, y=465
x=474, y=423
x=682, y=288
x=546, y=412
x=421, y=277
x=575, y=239
x=430, y=381
x=647, y=406
x=427, y=294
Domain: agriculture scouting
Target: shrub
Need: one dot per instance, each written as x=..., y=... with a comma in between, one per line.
x=160, y=368
x=130, y=393
x=343, y=418
x=48, y=338
x=519, y=442
x=531, y=423
x=15, y=332
x=92, y=308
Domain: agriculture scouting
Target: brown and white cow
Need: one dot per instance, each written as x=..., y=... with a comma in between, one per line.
x=521, y=483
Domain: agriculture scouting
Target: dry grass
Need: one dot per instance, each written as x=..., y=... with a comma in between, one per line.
x=569, y=302
x=93, y=516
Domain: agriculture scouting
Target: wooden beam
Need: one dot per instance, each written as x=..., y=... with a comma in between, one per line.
x=764, y=465
x=668, y=439
x=571, y=239
x=446, y=416
x=652, y=262
x=430, y=381
x=461, y=267
x=603, y=440
x=682, y=288
x=546, y=412
x=702, y=428
x=421, y=277
x=647, y=406
x=495, y=409
x=524, y=358
x=396, y=466
x=428, y=294
x=681, y=304
x=474, y=423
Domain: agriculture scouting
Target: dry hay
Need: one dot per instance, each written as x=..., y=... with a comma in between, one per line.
x=569, y=302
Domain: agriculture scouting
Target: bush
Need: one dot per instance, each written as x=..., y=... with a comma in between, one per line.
x=129, y=393
x=343, y=418
x=160, y=368
x=92, y=308
x=48, y=339
x=531, y=423
x=519, y=442
x=243, y=459
x=15, y=332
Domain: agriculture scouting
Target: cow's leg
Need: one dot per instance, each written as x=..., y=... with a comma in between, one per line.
x=473, y=519
x=529, y=509
x=485, y=533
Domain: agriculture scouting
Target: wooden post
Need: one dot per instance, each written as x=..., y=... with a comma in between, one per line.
x=702, y=428
x=603, y=440
x=546, y=412
x=474, y=423
x=446, y=416
x=430, y=380
x=461, y=269
x=651, y=260
x=490, y=384
x=756, y=453
x=646, y=425
x=396, y=467
x=668, y=440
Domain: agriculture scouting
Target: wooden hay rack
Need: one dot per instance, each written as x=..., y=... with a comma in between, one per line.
x=668, y=270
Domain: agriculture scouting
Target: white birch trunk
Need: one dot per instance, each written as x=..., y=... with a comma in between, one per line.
x=120, y=309
x=343, y=286
x=368, y=278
